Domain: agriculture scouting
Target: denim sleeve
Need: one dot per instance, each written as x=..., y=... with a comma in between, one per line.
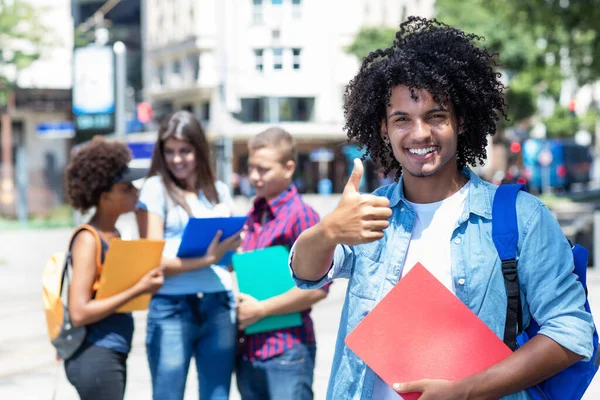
x=341, y=267
x=152, y=196
x=555, y=297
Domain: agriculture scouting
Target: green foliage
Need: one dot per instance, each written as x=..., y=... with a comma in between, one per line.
x=561, y=124
x=569, y=27
x=528, y=58
x=21, y=34
x=369, y=39
x=588, y=120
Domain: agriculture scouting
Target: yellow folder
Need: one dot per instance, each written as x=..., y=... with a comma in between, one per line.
x=126, y=262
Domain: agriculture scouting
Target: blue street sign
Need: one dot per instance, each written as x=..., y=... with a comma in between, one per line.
x=56, y=130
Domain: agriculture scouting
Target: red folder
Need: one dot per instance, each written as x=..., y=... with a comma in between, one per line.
x=421, y=330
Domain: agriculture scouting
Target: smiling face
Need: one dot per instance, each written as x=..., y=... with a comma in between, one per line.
x=422, y=134
x=180, y=158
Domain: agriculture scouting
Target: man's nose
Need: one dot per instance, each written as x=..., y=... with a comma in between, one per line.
x=421, y=130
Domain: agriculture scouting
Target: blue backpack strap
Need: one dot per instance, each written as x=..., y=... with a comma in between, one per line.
x=505, y=234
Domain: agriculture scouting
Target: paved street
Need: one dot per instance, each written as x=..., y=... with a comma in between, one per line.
x=27, y=366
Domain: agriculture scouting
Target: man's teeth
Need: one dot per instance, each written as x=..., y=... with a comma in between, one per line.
x=422, y=152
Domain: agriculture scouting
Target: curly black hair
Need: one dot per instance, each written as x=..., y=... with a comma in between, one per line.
x=430, y=55
x=93, y=170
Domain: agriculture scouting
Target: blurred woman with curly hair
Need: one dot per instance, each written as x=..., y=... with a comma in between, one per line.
x=98, y=176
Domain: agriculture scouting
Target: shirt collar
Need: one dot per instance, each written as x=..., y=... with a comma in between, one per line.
x=479, y=200
x=278, y=202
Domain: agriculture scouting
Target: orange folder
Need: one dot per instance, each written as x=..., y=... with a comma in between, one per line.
x=421, y=330
x=126, y=262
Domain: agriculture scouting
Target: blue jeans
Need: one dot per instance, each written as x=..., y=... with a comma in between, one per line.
x=287, y=376
x=180, y=327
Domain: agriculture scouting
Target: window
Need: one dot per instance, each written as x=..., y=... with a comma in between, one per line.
x=257, y=11
x=278, y=58
x=194, y=65
x=161, y=75
x=259, y=62
x=277, y=109
x=296, y=9
x=296, y=58
x=254, y=110
x=294, y=109
x=177, y=67
x=277, y=2
x=205, y=111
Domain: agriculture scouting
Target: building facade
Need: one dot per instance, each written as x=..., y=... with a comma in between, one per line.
x=35, y=148
x=244, y=65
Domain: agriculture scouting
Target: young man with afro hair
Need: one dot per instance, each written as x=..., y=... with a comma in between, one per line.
x=423, y=109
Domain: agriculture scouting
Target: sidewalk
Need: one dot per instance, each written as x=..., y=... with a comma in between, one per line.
x=28, y=370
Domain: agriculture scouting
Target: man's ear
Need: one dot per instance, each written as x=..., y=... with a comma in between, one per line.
x=290, y=167
x=460, y=123
x=384, y=132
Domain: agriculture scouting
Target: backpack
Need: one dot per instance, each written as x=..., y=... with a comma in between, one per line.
x=572, y=382
x=56, y=280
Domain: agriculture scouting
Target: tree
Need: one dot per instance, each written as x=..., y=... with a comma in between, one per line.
x=568, y=29
x=562, y=123
x=522, y=56
x=371, y=38
x=22, y=37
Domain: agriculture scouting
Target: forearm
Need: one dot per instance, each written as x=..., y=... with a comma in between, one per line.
x=97, y=310
x=294, y=300
x=173, y=266
x=313, y=254
x=539, y=359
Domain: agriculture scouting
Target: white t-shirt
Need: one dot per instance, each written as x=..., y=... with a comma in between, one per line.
x=430, y=245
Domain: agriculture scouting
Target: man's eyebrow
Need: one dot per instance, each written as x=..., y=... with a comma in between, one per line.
x=433, y=110
x=437, y=109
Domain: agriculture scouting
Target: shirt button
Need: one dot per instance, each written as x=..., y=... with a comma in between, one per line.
x=461, y=281
x=402, y=209
x=457, y=240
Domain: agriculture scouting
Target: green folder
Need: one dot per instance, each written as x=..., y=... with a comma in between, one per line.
x=264, y=274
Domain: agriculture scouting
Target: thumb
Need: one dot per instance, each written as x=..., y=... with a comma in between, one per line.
x=242, y=296
x=353, y=184
x=217, y=236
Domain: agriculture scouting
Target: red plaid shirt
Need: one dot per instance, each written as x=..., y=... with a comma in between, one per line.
x=285, y=218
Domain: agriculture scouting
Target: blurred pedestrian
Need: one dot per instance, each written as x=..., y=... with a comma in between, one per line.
x=277, y=364
x=193, y=314
x=98, y=177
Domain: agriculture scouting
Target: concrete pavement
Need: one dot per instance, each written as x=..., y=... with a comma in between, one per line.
x=28, y=370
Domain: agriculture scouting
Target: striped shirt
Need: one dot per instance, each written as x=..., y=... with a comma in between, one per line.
x=278, y=222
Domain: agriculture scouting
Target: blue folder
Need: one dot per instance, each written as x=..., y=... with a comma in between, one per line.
x=199, y=232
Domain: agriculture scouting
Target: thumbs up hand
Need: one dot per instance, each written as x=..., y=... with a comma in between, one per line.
x=358, y=218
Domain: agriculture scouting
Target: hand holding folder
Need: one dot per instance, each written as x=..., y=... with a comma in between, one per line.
x=199, y=233
x=126, y=262
x=420, y=330
x=264, y=274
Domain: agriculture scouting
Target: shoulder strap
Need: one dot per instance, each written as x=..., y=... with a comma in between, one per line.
x=86, y=227
x=505, y=234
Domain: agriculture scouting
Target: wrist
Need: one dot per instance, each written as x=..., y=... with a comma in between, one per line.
x=467, y=389
x=138, y=289
x=207, y=260
x=325, y=230
x=265, y=309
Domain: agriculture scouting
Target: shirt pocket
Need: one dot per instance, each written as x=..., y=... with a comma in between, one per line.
x=366, y=279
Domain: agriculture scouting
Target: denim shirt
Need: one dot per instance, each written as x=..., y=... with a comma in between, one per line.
x=550, y=291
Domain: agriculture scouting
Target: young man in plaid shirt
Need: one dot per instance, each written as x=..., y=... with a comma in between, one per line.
x=276, y=364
